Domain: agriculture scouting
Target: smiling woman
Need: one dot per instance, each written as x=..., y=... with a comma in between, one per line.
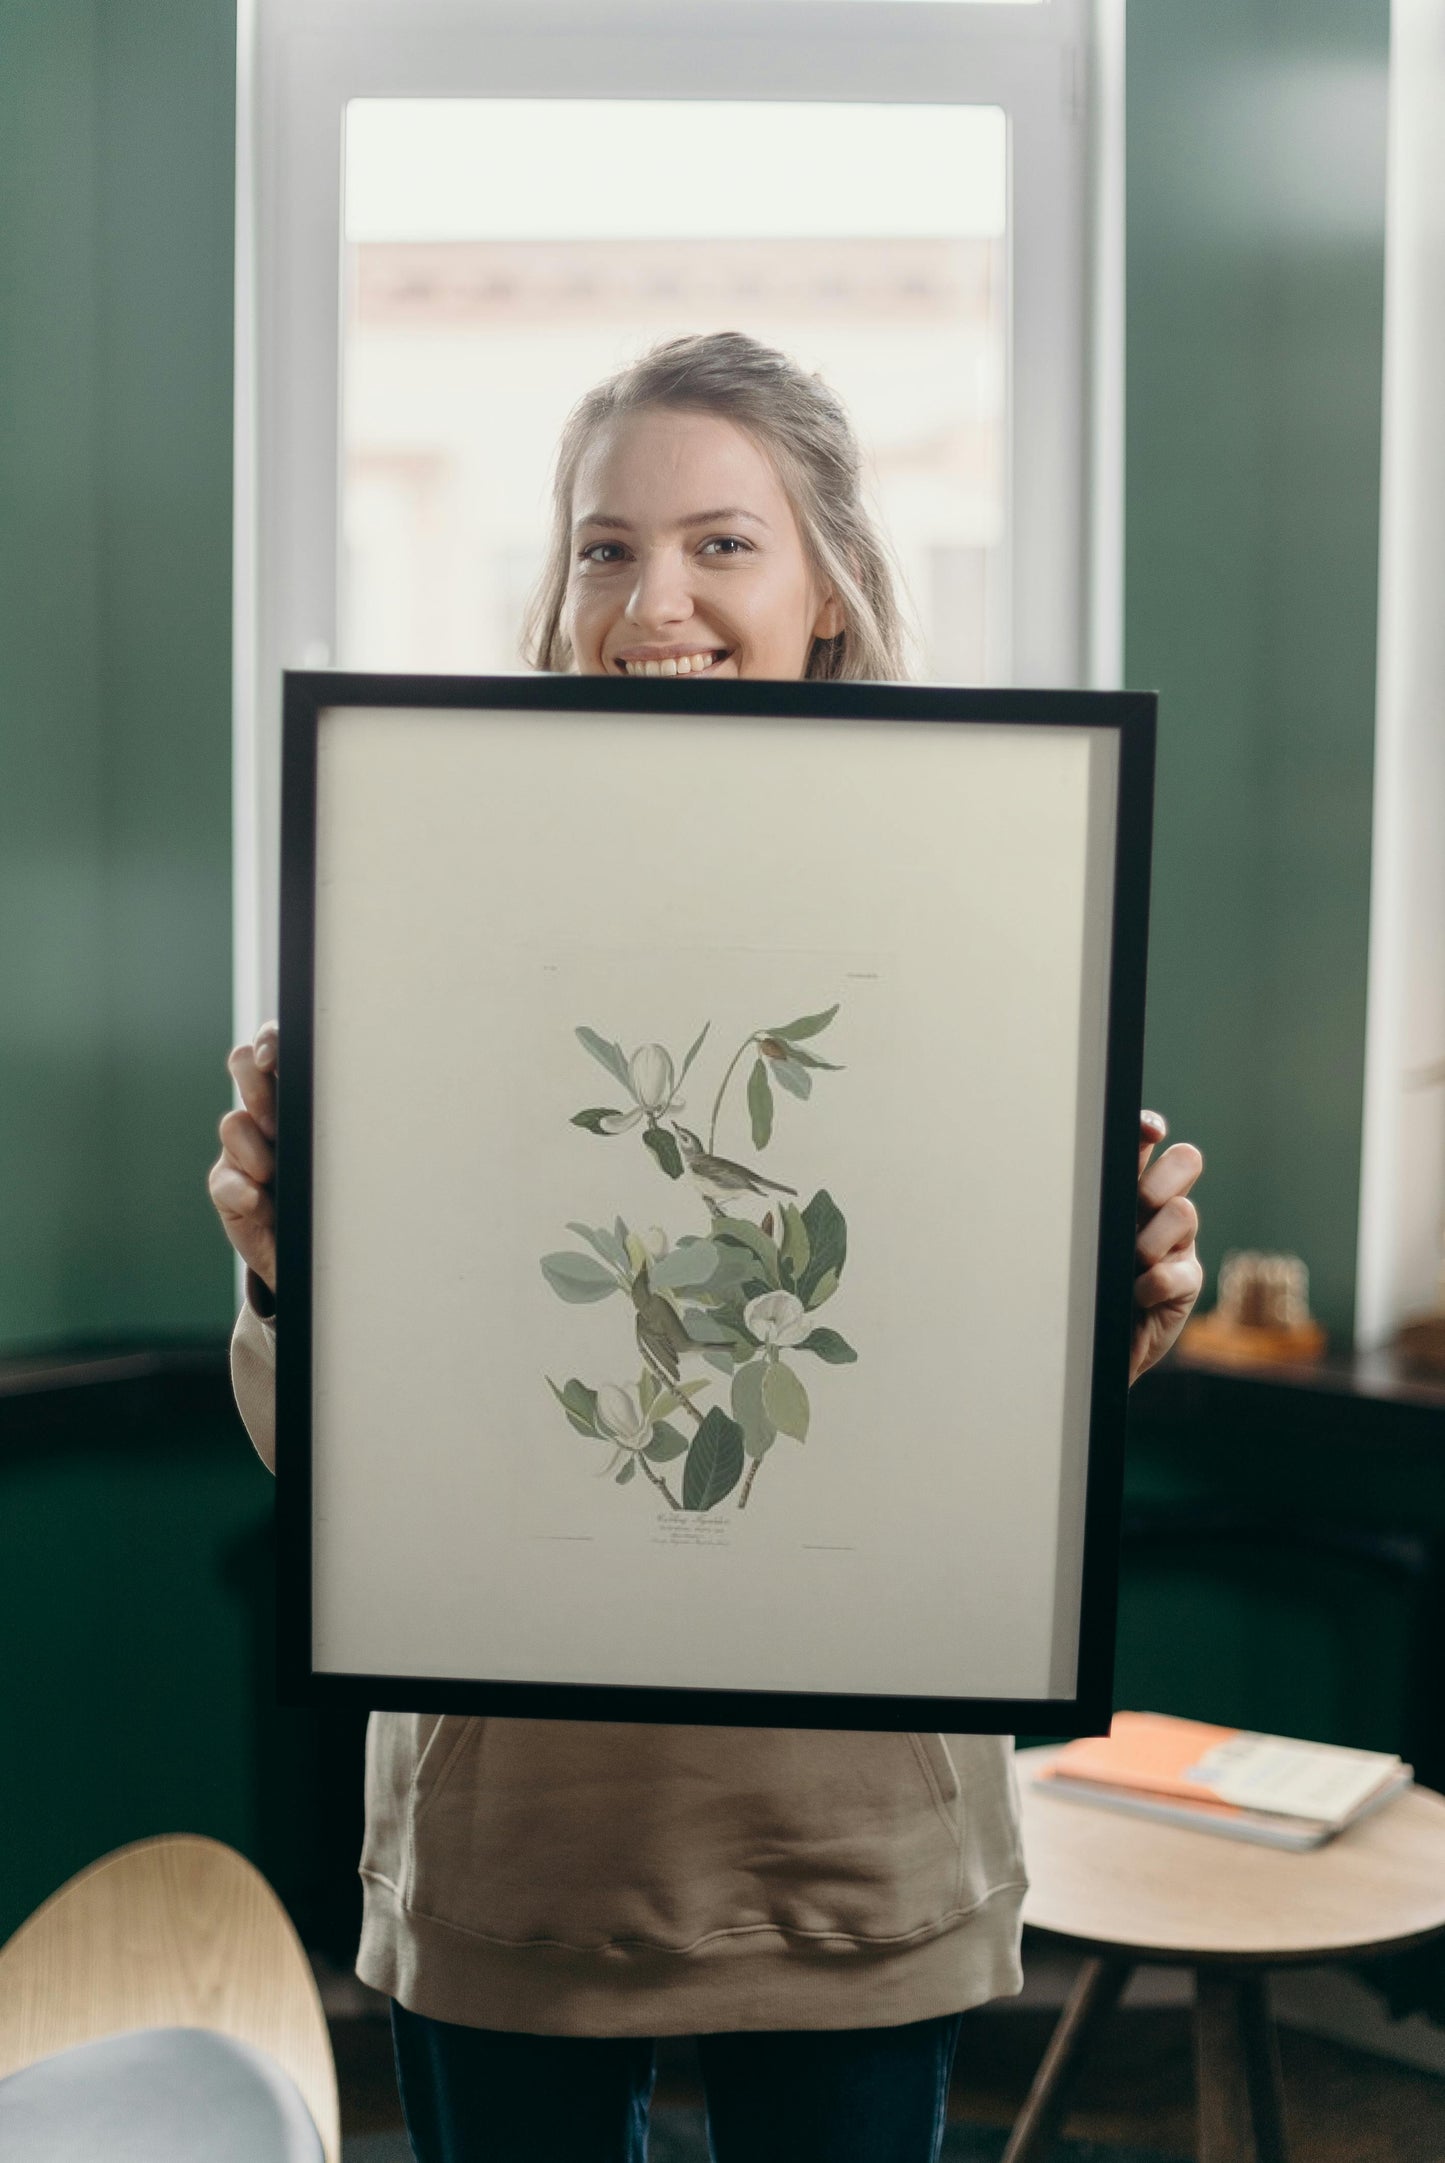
x=544, y=1896
x=677, y=593
x=645, y=577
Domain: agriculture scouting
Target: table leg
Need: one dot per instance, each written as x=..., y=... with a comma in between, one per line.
x=1241, y=2118
x=1261, y=2045
x=1094, y=1995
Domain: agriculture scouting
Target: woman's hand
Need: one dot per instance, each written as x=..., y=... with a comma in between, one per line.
x=1168, y=1273
x=241, y=1177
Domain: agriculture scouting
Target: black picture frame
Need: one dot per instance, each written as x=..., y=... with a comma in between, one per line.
x=1131, y=717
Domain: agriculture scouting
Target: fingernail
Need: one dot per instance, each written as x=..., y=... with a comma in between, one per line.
x=1156, y=1119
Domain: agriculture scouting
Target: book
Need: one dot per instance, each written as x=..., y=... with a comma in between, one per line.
x=1265, y=1828
x=1273, y=1789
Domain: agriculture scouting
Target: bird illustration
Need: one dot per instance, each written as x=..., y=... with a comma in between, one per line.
x=661, y=1338
x=718, y=1179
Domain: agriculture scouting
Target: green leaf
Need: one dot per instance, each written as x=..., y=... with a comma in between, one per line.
x=828, y=1345
x=606, y=1054
x=647, y=1389
x=696, y=1048
x=627, y=1472
x=785, y=1400
x=810, y=1025
x=741, y=1232
x=720, y=1357
x=714, y=1462
x=667, y=1442
x=759, y=1432
x=576, y=1277
x=607, y=1244
x=731, y=1317
x=760, y=1104
x=578, y=1402
x=671, y=1398
x=735, y=1264
x=795, y=1247
x=795, y=1078
x=828, y=1242
x=664, y=1147
x=823, y=1290
x=704, y=1328
x=810, y=1059
x=593, y=1119
x=689, y=1265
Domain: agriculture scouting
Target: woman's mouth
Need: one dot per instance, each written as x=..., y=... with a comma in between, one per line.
x=682, y=664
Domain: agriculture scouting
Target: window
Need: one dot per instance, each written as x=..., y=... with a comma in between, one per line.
x=907, y=197
x=499, y=263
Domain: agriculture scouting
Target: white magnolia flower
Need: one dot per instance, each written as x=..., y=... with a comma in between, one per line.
x=652, y=1077
x=777, y=1318
x=652, y=1083
x=621, y=1417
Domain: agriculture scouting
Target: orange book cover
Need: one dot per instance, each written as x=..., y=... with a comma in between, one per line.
x=1155, y=1754
x=1147, y=1750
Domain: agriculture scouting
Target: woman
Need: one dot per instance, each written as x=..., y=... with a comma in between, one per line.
x=544, y=1898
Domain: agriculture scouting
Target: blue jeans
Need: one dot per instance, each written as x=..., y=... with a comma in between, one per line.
x=833, y=2095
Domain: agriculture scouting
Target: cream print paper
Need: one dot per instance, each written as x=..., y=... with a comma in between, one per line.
x=490, y=882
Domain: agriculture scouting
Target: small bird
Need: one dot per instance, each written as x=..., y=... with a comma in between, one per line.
x=661, y=1337
x=718, y=1179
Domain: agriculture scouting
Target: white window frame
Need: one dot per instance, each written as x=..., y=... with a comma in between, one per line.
x=1402, y=1163
x=1049, y=67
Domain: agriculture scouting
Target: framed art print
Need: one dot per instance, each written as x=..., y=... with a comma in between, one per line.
x=708, y=1141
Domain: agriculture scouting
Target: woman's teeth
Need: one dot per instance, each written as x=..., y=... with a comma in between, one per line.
x=687, y=664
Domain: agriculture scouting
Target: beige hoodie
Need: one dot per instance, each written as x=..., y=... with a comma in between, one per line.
x=563, y=1877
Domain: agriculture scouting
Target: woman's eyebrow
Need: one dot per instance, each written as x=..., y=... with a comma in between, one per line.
x=717, y=518
x=698, y=518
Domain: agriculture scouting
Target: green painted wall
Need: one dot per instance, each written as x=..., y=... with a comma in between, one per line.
x=1255, y=263
x=52, y=912
x=116, y=133
x=1255, y=267
x=126, y=1570
x=136, y=1563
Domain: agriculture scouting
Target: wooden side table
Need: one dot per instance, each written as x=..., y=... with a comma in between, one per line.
x=1125, y=1890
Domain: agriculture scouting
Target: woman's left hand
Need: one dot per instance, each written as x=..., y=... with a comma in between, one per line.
x=1168, y=1275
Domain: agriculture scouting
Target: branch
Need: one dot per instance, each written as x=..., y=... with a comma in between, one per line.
x=666, y=1380
x=658, y=1481
x=746, y=1045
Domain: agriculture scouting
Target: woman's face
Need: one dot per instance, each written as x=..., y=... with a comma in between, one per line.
x=686, y=556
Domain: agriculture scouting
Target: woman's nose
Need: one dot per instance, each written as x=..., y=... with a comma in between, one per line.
x=661, y=594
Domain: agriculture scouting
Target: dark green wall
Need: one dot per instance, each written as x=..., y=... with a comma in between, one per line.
x=117, y=128
x=1255, y=272
x=137, y=1557
x=1255, y=261
x=137, y=1604
x=130, y=1553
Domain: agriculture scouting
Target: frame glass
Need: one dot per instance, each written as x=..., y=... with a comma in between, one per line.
x=706, y=1197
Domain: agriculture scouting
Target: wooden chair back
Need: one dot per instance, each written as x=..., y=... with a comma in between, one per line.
x=176, y=1932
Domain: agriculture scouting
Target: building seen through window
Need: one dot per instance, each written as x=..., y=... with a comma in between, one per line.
x=465, y=343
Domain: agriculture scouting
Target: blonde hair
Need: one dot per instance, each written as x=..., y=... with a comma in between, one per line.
x=805, y=429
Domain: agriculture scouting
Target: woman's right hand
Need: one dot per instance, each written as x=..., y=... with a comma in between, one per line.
x=241, y=1180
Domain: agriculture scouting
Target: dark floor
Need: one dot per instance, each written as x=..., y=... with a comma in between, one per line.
x=1344, y=2106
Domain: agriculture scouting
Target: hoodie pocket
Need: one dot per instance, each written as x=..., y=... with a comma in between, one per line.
x=587, y=1835
x=941, y=1775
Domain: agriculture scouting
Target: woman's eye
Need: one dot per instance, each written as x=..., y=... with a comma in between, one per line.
x=595, y=552
x=729, y=544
